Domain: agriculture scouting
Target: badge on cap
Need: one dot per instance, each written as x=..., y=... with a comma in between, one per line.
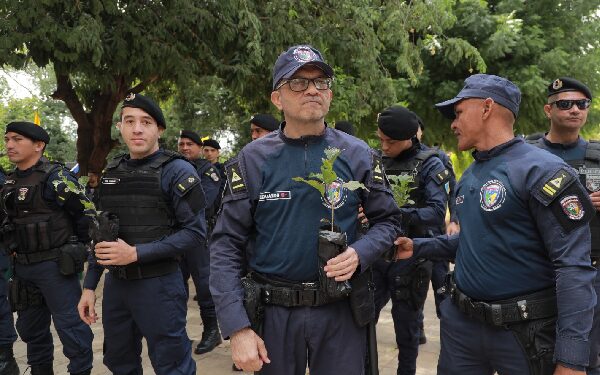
x=304, y=54
x=572, y=207
x=557, y=84
x=130, y=97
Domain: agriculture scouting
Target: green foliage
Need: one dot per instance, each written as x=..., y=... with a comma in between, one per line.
x=78, y=189
x=401, y=186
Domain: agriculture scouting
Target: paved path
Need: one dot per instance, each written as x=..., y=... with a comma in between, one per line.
x=218, y=362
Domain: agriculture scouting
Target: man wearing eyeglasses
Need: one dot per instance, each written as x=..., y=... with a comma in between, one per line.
x=268, y=231
x=567, y=109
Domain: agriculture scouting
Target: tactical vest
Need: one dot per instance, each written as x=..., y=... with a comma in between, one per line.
x=37, y=226
x=412, y=167
x=589, y=175
x=135, y=195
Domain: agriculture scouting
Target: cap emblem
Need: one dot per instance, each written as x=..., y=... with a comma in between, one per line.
x=557, y=84
x=130, y=97
x=304, y=54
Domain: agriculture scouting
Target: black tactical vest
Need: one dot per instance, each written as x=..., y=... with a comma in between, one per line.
x=135, y=195
x=38, y=226
x=412, y=167
x=589, y=174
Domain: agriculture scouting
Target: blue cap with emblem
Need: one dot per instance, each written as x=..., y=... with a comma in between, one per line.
x=295, y=58
x=484, y=86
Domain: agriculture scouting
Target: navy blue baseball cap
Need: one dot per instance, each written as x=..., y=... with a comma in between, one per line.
x=484, y=86
x=295, y=58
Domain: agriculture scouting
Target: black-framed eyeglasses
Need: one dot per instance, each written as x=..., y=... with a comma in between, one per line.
x=564, y=105
x=301, y=84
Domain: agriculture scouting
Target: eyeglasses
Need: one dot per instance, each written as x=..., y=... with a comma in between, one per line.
x=301, y=84
x=564, y=105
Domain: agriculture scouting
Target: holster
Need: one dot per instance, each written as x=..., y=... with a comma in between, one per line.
x=362, y=298
x=413, y=285
x=22, y=295
x=537, y=339
x=71, y=258
x=253, y=304
x=331, y=244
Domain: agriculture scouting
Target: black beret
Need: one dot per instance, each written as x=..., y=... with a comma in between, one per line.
x=265, y=121
x=398, y=123
x=147, y=105
x=211, y=143
x=192, y=135
x=564, y=84
x=345, y=126
x=29, y=130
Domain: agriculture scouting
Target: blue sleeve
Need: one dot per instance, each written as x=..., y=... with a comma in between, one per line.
x=227, y=259
x=442, y=247
x=189, y=216
x=211, y=182
x=568, y=243
x=383, y=214
x=434, y=212
x=93, y=274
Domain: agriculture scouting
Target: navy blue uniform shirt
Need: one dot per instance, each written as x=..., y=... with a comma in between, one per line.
x=524, y=215
x=271, y=223
x=210, y=178
x=567, y=152
x=191, y=226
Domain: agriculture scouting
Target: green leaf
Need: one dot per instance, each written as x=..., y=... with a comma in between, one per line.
x=353, y=185
x=316, y=184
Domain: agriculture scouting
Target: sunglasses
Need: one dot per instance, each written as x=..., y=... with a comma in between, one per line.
x=564, y=105
x=301, y=84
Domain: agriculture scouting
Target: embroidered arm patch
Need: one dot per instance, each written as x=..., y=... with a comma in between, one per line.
x=235, y=178
x=572, y=208
x=556, y=184
x=378, y=174
x=442, y=177
x=213, y=174
x=187, y=184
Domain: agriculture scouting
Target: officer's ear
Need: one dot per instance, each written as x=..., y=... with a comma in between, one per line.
x=547, y=109
x=161, y=130
x=488, y=104
x=276, y=99
x=118, y=125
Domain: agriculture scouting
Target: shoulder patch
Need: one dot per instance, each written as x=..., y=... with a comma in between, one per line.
x=556, y=184
x=235, y=178
x=573, y=208
x=213, y=174
x=442, y=177
x=377, y=166
x=187, y=183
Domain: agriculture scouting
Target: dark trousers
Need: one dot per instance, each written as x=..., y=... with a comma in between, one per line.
x=196, y=263
x=470, y=347
x=407, y=320
x=61, y=296
x=594, y=368
x=8, y=335
x=325, y=337
x=153, y=308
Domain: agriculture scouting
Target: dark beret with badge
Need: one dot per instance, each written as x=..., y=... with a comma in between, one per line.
x=345, y=126
x=398, y=123
x=191, y=135
x=29, y=130
x=147, y=105
x=211, y=143
x=564, y=84
x=295, y=58
x=265, y=121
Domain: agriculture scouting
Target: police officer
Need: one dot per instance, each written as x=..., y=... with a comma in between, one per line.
x=521, y=299
x=269, y=224
x=158, y=199
x=567, y=109
x=8, y=335
x=46, y=227
x=406, y=282
x=262, y=124
x=196, y=262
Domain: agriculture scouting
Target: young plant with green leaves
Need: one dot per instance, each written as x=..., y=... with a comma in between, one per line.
x=321, y=181
x=401, y=188
x=89, y=208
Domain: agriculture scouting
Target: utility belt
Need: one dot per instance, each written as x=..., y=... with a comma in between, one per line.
x=538, y=305
x=70, y=256
x=138, y=271
x=40, y=256
x=290, y=294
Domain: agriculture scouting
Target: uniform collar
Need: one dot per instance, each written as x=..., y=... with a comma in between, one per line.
x=563, y=146
x=138, y=162
x=307, y=139
x=500, y=149
x=410, y=152
x=29, y=170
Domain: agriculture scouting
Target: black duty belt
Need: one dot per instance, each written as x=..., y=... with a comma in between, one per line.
x=138, y=271
x=533, y=306
x=290, y=294
x=40, y=256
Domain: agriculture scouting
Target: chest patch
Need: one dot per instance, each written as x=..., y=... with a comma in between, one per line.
x=335, y=195
x=110, y=181
x=22, y=194
x=492, y=195
x=572, y=207
x=275, y=196
x=592, y=178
